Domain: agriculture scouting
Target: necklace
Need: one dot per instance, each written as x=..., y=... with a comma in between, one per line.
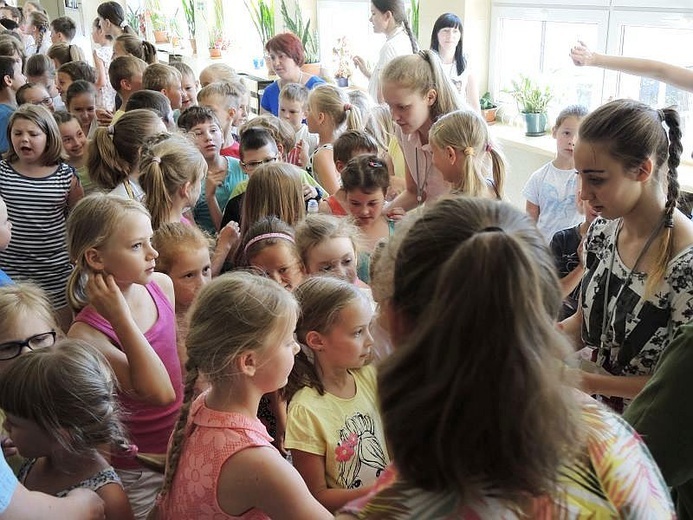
x=421, y=186
x=608, y=315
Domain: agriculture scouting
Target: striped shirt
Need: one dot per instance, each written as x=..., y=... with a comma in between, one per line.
x=37, y=209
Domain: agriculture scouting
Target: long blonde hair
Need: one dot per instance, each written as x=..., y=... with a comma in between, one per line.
x=22, y=299
x=165, y=167
x=466, y=131
x=90, y=224
x=234, y=313
x=335, y=104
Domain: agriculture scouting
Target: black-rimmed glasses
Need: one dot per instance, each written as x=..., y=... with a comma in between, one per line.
x=12, y=349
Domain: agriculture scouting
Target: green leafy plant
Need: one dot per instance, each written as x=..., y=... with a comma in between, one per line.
x=189, y=13
x=134, y=19
x=486, y=102
x=159, y=21
x=216, y=26
x=308, y=36
x=531, y=98
x=262, y=15
x=414, y=17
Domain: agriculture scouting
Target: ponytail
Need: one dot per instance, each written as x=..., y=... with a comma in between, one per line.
x=412, y=38
x=498, y=169
x=354, y=121
x=107, y=169
x=157, y=197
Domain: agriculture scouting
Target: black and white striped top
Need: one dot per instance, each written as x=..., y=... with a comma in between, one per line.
x=37, y=209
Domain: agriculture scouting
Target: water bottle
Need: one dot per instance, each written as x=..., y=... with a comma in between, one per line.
x=312, y=206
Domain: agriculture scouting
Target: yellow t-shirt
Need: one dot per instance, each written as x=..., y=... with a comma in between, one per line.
x=347, y=432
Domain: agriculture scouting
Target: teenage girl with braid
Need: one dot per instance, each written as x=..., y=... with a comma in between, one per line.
x=241, y=340
x=638, y=286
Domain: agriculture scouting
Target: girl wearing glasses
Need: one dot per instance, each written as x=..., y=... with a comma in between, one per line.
x=34, y=94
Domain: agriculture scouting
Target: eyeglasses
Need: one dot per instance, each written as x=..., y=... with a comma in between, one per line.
x=46, y=102
x=12, y=349
x=251, y=165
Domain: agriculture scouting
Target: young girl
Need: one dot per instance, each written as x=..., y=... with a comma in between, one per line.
x=241, y=340
x=446, y=40
x=62, y=53
x=388, y=17
x=125, y=310
x=75, y=146
x=39, y=190
x=418, y=92
x=365, y=181
x=329, y=113
x=550, y=191
x=61, y=424
x=328, y=245
x=80, y=100
x=171, y=173
x=103, y=53
x=38, y=27
x=184, y=256
x=114, y=152
x=131, y=45
x=524, y=445
x=642, y=253
x=334, y=429
x=270, y=247
x=461, y=147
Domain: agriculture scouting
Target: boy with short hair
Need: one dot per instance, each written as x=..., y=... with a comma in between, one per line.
x=11, y=78
x=167, y=80
x=224, y=173
x=125, y=74
x=72, y=71
x=229, y=102
x=189, y=84
x=63, y=30
x=293, y=103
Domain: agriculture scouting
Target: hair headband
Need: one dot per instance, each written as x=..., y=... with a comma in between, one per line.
x=265, y=236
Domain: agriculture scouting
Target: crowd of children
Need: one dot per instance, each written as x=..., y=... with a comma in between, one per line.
x=187, y=327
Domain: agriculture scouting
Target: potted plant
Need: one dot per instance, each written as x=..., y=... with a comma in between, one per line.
x=532, y=100
x=262, y=15
x=216, y=40
x=488, y=108
x=344, y=60
x=308, y=37
x=158, y=20
x=414, y=17
x=190, y=21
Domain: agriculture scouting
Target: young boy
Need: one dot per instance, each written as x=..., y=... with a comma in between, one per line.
x=63, y=30
x=224, y=173
x=217, y=72
x=189, y=84
x=167, y=80
x=229, y=102
x=125, y=74
x=11, y=78
x=73, y=71
x=293, y=102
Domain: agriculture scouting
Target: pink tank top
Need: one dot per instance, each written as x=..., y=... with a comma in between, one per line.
x=212, y=437
x=149, y=427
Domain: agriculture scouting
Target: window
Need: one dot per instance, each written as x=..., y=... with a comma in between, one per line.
x=536, y=42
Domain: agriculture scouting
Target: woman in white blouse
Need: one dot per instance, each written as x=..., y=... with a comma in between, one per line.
x=446, y=40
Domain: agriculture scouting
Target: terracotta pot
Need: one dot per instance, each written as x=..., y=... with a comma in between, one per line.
x=490, y=114
x=160, y=37
x=311, y=68
x=215, y=53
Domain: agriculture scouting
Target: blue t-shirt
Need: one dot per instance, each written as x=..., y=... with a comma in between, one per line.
x=234, y=175
x=270, y=97
x=5, y=112
x=8, y=484
x=4, y=279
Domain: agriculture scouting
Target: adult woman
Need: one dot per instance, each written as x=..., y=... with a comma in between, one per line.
x=286, y=55
x=525, y=444
x=112, y=19
x=446, y=40
x=388, y=17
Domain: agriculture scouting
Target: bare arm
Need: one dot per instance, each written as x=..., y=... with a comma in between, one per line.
x=679, y=77
x=139, y=370
x=616, y=386
x=116, y=502
x=261, y=478
x=532, y=210
x=80, y=504
x=570, y=281
x=227, y=241
x=76, y=192
x=101, y=74
x=572, y=327
x=406, y=199
x=312, y=469
x=325, y=171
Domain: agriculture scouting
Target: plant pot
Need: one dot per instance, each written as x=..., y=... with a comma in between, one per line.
x=215, y=53
x=490, y=114
x=193, y=46
x=536, y=124
x=342, y=82
x=311, y=68
x=160, y=37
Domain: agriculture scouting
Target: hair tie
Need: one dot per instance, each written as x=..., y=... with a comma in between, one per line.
x=347, y=107
x=123, y=24
x=468, y=151
x=265, y=236
x=156, y=159
x=491, y=229
x=110, y=130
x=489, y=148
x=669, y=222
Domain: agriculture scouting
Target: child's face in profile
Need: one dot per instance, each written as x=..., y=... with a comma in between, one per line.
x=62, y=82
x=241, y=115
x=31, y=440
x=334, y=257
x=175, y=94
x=281, y=264
x=292, y=112
x=189, y=85
x=74, y=139
x=191, y=270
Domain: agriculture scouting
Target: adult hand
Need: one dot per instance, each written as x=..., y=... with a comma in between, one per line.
x=581, y=55
x=103, y=116
x=105, y=296
x=362, y=66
